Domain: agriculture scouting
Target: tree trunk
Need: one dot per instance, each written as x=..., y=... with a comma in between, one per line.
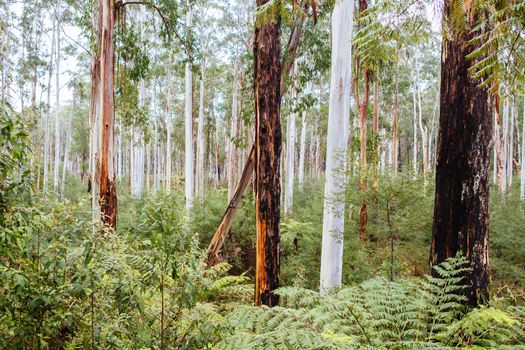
x=268, y=138
x=522, y=187
x=102, y=119
x=47, y=132
x=57, y=116
x=215, y=246
x=167, y=181
x=290, y=150
x=414, y=131
x=505, y=147
x=461, y=214
x=302, y=151
x=188, y=125
x=375, y=131
x=395, y=137
x=199, y=190
x=232, y=144
x=337, y=142
x=510, y=161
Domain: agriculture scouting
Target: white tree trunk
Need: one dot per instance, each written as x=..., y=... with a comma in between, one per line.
x=57, y=117
x=302, y=150
x=337, y=143
x=167, y=158
x=188, y=125
x=422, y=128
x=290, y=150
x=67, y=147
x=414, y=128
x=505, y=147
x=199, y=188
x=522, y=187
x=510, y=162
x=47, y=132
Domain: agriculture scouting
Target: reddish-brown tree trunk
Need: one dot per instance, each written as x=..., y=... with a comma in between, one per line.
x=268, y=138
x=461, y=214
x=102, y=105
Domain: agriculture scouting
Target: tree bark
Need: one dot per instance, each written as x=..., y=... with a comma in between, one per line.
x=102, y=111
x=47, y=131
x=268, y=138
x=188, y=125
x=199, y=190
x=461, y=214
x=395, y=138
x=302, y=151
x=290, y=150
x=57, y=115
x=337, y=142
x=522, y=185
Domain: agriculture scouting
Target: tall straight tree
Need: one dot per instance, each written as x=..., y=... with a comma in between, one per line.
x=188, y=125
x=104, y=193
x=461, y=214
x=290, y=149
x=57, y=109
x=268, y=140
x=337, y=142
x=302, y=151
x=522, y=186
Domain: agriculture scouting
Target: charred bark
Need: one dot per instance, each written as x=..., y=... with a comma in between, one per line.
x=268, y=139
x=461, y=214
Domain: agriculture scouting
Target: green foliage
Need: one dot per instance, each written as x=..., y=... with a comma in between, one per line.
x=14, y=171
x=377, y=314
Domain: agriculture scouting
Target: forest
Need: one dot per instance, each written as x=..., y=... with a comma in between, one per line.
x=262, y=174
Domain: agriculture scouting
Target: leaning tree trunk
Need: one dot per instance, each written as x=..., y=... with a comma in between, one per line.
x=268, y=138
x=188, y=125
x=102, y=118
x=337, y=142
x=461, y=214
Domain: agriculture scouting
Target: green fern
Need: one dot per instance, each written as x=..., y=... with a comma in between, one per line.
x=377, y=314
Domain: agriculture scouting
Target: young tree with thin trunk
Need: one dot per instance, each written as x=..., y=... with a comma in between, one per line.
x=268, y=138
x=395, y=137
x=290, y=149
x=188, y=126
x=461, y=214
x=522, y=186
x=57, y=112
x=47, y=132
x=167, y=182
x=200, y=171
x=233, y=157
x=302, y=151
x=337, y=142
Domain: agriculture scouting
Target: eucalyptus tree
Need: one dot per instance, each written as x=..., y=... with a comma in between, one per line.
x=461, y=211
x=337, y=142
x=188, y=123
x=522, y=185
